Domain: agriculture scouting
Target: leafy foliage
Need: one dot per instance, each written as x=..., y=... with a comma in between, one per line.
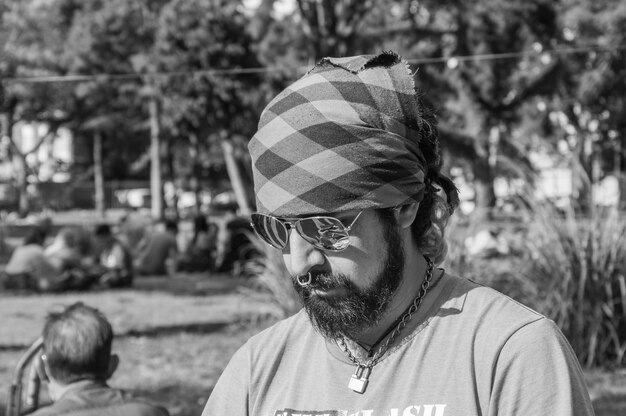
x=481, y=102
x=577, y=267
x=203, y=106
x=80, y=38
x=568, y=267
x=271, y=281
x=489, y=108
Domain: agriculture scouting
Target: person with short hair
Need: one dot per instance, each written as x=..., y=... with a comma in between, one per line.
x=348, y=184
x=115, y=264
x=77, y=362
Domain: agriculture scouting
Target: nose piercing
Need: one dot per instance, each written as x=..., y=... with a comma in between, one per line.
x=304, y=280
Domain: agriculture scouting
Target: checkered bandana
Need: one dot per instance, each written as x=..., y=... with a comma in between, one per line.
x=345, y=136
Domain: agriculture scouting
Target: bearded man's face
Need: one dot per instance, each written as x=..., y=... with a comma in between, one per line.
x=342, y=302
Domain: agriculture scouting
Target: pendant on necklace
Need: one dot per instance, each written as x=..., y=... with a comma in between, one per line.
x=360, y=378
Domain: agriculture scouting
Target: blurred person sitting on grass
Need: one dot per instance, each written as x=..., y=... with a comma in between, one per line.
x=349, y=187
x=29, y=268
x=132, y=228
x=76, y=363
x=200, y=251
x=157, y=252
x=69, y=254
x=63, y=253
x=114, y=261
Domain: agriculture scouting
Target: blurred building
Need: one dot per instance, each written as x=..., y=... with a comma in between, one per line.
x=555, y=181
x=49, y=156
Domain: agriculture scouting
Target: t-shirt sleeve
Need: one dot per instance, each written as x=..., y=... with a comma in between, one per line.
x=230, y=396
x=537, y=373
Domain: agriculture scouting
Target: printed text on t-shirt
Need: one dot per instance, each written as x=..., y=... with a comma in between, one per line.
x=417, y=410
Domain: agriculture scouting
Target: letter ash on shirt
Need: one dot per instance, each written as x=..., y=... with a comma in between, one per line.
x=417, y=410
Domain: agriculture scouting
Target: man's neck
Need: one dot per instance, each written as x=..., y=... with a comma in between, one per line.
x=57, y=390
x=415, y=269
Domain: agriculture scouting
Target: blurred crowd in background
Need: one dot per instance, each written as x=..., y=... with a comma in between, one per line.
x=111, y=255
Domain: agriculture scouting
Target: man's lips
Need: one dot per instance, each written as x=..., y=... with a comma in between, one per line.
x=328, y=292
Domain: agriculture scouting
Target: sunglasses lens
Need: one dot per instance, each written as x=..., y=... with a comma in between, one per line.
x=324, y=232
x=271, y=230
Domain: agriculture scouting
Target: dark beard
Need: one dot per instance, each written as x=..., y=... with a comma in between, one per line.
x=360, y=309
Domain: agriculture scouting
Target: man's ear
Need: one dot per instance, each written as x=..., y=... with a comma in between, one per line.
x=406, y=214
x=113, y=363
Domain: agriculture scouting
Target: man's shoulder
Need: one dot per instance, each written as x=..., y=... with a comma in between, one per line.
x=486, y=306
x=127, y=408
x=137, y=407
x=487, y=320
x=101, y=402
x=480, y=294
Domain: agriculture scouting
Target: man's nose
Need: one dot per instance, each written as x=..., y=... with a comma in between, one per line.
x=302, y=255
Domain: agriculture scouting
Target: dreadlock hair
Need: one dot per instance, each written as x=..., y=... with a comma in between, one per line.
x=441, y=197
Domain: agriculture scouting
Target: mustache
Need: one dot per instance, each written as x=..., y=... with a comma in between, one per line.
x=325, y=281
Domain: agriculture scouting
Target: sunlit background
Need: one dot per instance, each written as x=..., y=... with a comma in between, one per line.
x=129, y=111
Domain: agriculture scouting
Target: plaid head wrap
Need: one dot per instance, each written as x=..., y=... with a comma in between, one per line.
x=344, y=136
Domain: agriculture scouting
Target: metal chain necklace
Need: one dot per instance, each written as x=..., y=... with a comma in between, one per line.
x=360, y=378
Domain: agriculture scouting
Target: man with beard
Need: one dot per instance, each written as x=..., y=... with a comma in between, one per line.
x=349, y=186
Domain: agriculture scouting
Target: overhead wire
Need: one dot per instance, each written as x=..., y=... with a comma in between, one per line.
x=260, y=70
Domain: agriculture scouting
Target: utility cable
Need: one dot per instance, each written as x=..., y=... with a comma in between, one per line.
x=301, y=69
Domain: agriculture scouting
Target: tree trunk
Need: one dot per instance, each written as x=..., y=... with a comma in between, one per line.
x=4, y=131
x=98, y=176
x=156, y=181
x=194, y=151
x=235, y=178
x=19, y=161
x=21, y=178
x=483, y=186
x=171, y=178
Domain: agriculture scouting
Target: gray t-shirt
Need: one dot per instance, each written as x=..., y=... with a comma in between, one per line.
x=469, y=351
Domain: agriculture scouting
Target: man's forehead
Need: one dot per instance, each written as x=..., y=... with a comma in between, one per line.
x=335, y=214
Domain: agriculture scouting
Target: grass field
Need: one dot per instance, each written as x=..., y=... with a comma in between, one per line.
x=175, y=336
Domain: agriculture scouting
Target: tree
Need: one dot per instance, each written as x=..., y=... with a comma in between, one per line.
x=479, y=101
x=105, y=39
x=91, y=38
x=204, y=106
x=485, y=98
x=27, y=42
x=589, y=110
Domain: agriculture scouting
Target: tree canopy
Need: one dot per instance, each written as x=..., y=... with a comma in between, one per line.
x=504, y=76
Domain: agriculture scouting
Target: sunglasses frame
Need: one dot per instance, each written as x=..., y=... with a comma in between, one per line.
x=291, y=223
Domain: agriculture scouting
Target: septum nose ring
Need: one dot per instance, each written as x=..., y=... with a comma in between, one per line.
x=304, y=280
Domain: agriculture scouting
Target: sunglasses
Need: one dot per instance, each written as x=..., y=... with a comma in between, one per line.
x=326, y=233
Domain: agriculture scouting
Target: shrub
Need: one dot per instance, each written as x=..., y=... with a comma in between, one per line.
x=577, y=266
x=497, y=268
x=270, y=279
